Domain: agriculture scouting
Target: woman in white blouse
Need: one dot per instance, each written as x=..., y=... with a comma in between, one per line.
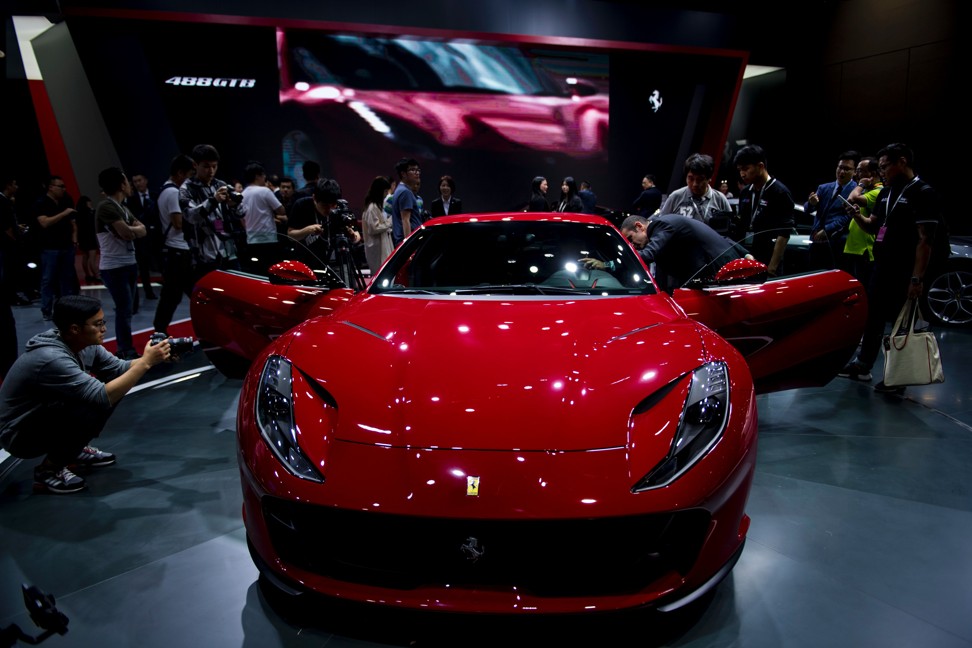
x=376, y=225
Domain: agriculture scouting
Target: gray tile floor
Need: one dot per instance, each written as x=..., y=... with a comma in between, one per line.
x=861, y=518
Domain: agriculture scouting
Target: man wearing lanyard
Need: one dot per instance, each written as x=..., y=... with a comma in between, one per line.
x=765, y=209
x=910, y=236
x=697, y=200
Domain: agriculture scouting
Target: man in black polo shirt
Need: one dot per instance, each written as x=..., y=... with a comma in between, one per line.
x=57, y=236
x=765, y=209
x=911, y=237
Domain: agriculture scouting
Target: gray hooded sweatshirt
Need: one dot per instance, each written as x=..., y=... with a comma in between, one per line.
x=47, y=378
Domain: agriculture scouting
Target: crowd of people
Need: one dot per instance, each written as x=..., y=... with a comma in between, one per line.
x=877, y=220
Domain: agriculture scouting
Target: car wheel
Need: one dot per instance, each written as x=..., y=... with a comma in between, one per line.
x=948, y=298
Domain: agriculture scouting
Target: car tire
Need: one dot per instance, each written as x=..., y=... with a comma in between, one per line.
x=948, y=296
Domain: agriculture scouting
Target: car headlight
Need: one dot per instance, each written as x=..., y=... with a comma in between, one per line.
x=275, y=416
x=702, y=423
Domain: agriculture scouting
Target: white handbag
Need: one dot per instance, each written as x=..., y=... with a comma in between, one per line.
x=911, y=357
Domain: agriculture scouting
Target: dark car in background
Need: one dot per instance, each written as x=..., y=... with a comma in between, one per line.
x=948, y=292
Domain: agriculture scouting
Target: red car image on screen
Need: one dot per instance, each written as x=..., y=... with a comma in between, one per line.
x=492, y=427
x=456, y=92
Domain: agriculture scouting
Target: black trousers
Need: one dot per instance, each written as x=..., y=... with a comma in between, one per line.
x=143, y=257
x=886, y=294
x=177, y=280
x=59, y=430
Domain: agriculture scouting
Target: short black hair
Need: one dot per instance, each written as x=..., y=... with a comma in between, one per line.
x=287, y=179
x=650, y=177
x=311, y=170
x=699, y=164
x=327, y=192
x=252, y=170
x=180, y=164
x=74, y=309
x=749, y=154
x=402, y=166
x=111, y=179
x=449, y=181
x=896, y=151
x=850, y=155
x=204, y=152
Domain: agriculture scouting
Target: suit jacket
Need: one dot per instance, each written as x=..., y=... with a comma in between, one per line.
x=436, y=208
x=680, y=247
x=830, y=215
x=150, y=215
x=647, y=202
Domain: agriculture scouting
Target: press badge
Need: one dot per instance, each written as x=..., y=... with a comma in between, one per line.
x=880, y=234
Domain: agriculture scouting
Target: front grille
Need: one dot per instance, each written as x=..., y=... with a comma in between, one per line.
x=583, y=557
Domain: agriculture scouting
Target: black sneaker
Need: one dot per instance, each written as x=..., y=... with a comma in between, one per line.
x=855, y=371
x=881, y=388
x=56, y=480
x=92, y=457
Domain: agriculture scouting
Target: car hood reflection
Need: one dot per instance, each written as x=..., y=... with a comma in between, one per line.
x=467, y=373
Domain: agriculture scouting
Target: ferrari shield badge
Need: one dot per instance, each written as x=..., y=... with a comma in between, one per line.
x=472, y=486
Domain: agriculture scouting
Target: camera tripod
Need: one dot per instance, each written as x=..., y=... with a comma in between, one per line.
x=342, y=262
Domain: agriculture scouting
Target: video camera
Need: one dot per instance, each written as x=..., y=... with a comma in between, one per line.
x=342, y=214
x=180, y=346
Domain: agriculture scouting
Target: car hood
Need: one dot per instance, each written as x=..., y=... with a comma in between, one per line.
x=494, y=373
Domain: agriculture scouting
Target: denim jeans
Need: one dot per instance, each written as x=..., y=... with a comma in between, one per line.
x=121, y=285
x=58, y=277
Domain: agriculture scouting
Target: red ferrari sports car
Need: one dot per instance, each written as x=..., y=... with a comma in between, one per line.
x=492, y=427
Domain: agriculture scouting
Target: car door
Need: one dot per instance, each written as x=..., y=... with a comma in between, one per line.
x=236, y=314
x=794, y=331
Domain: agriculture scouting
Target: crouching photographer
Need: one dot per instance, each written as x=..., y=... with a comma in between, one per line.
x=62, y=390
x=325, y=224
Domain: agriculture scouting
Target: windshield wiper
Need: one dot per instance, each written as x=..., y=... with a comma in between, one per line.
x=522, y=289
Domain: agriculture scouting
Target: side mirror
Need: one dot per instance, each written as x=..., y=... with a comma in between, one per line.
x=740, y=270
x=290, y=273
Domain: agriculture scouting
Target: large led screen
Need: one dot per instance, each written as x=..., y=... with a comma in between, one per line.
x=493, y=113
x=490, y=115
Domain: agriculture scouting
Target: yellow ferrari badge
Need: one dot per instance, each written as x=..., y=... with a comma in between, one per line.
x=472, y=486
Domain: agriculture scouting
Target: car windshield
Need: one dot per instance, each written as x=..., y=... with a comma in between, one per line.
x=509, y=257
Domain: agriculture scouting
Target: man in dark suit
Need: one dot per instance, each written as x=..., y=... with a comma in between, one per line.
x=148, y=250
x=446, y=204
x=678, y=246
x=649, y=200
x=588, y=197
x=831, y=217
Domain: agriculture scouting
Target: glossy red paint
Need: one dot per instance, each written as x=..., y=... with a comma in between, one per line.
x=556, y=404
x=516, y=484
x=794, y=332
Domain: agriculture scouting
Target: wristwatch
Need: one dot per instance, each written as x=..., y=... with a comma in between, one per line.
x=915, y=281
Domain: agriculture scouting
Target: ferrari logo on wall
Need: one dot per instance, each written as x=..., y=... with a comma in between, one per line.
x=472, y=486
